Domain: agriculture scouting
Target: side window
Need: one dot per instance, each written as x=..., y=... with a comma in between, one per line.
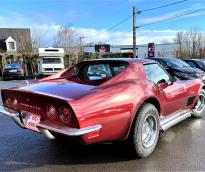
x=155, y=73
x=164, y=64
x=192, y=64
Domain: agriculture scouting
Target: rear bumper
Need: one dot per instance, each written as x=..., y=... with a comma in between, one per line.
x=13, y=75
x=12, y=114
x=46, y=128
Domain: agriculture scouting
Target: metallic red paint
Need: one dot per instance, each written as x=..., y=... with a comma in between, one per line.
x=113, y=104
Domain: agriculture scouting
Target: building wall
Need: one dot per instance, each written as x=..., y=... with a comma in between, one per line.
x=142, y=50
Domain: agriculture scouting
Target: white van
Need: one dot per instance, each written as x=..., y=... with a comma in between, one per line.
x=50, y=61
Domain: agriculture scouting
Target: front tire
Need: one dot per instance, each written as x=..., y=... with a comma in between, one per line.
x=199, y=109
x=146, y=130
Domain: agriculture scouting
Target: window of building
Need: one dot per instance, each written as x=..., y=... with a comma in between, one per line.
x=11, y=45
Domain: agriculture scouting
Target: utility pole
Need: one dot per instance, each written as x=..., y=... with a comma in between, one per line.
x=135, y=11
x=81, y=48
x=134, y=32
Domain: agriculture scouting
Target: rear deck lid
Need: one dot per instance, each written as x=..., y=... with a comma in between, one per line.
x=61, y=88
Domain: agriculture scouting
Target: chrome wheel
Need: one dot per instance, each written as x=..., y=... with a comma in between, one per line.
x=200, y=104
x=149, y=131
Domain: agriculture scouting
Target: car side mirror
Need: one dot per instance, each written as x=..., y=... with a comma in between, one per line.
x=173, y=79
x=162, y=83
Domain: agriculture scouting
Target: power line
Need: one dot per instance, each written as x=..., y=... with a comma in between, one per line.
x=171, y=18
x=128, y=17
x=163, y=6
x=121, y=22
x=117, y=37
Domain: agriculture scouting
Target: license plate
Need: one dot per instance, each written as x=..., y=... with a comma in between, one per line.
x=31, y=121
x=13, y=71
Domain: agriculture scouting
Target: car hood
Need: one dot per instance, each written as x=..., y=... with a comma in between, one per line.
x=60, y=88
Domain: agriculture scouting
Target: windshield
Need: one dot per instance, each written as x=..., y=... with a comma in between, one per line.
x=52, y=60
x=14, y=65
x=171, y=62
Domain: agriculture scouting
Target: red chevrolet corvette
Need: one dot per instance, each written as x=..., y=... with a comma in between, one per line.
x=106, y=100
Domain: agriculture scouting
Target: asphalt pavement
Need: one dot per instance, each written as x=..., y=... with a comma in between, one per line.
x=181, y=148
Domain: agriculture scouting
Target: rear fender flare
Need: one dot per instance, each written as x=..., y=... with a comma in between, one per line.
x=137, y=107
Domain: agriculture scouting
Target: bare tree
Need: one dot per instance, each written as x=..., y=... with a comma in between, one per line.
x=179, y=40
x=165, y=41
x=36, y=36
x=27, y=48
x=69, y=39
x=190, y=43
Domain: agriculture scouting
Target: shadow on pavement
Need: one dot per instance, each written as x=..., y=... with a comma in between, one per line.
x=178, y=149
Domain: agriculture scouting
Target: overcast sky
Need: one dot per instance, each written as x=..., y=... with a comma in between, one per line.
x=91, y=17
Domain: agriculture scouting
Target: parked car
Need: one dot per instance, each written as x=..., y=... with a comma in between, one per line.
x=196, y=63
x=179, y=68
x=14, y=70
x=106, y=100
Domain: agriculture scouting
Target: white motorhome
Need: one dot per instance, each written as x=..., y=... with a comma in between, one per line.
x=50, y=61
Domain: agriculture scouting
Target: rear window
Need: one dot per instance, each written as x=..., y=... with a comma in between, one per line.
x=102, y=71
x=14, y=65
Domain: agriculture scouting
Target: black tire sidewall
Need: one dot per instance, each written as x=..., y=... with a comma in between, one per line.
x=143, y=113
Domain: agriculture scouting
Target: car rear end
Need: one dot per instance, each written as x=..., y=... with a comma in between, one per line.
x=42, y=113
x=13, y=71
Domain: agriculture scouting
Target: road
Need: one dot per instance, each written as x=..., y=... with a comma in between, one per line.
x=181, y=148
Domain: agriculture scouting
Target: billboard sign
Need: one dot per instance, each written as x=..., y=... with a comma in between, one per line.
x=102, y=48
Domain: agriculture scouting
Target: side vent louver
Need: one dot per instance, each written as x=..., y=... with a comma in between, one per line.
x=190, y=100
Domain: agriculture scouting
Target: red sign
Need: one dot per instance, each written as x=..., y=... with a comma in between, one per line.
x=102, y=48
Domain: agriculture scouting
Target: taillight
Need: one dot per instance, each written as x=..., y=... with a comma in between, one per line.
x=20, y=70
x=51, y=112
x=65, y=114
x=5, y=70
x=10, y=101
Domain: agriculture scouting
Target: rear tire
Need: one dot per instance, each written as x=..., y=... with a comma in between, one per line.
x=199, y=109
x=145, y=133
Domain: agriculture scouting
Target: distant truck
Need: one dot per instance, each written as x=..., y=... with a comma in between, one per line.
x=50, y=61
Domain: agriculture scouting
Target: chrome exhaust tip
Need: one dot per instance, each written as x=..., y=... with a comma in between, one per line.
x=46, y=133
